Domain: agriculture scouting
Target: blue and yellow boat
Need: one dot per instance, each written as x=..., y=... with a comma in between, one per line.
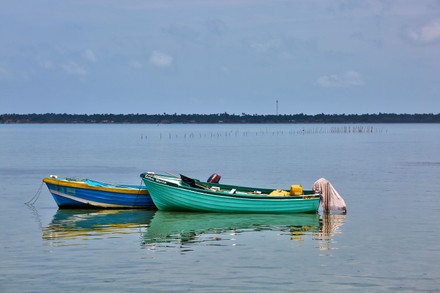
x=87, y=193
x=170, y=193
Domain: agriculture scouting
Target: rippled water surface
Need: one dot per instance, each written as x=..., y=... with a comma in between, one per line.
x=389, y=176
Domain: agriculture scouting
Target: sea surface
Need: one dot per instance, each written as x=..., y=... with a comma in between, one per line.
x=389, y=240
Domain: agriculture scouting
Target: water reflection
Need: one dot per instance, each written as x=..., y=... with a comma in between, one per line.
x=69, y=225
x=171, y=229
x=330, y=226
x=189, y=228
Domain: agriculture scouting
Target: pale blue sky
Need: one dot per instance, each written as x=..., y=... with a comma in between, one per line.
x=240, y=56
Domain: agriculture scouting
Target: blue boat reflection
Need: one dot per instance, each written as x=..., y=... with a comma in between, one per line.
x=88, y=224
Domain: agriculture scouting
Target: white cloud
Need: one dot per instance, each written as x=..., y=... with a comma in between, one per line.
x=426, y=34
x=89, y=55
x=349, y=78
x=265, y=46
x=161, y=59
x=73, y=68
x=45, y=63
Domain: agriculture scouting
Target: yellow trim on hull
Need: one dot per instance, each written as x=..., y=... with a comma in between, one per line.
x=83, y=185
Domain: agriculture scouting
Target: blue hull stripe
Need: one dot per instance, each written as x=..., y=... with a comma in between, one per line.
x=65, y=196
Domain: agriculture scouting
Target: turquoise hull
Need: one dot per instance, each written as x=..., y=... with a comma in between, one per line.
x=171, y=194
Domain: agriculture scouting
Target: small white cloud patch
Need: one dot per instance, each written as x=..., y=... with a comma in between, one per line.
x=268, y=45
x=349, y=78
x=160, y=59
x=89, y=55
x=45, y=63
x=426, y=34
x=73, y=68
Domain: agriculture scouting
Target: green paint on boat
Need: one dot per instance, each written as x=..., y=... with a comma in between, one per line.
x=171, y=193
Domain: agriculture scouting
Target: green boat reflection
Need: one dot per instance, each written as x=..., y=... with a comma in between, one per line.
x=75, y=227
x=183, y=227
x=90, y=224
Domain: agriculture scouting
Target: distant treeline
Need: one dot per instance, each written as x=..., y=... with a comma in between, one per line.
x=219, y=118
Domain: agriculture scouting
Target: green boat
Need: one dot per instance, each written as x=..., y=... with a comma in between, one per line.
x=172, y=193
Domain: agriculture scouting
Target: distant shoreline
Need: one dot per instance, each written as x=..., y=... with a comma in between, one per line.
x=223, y=118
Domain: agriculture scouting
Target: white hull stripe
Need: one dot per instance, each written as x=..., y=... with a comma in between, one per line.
x=89, y=202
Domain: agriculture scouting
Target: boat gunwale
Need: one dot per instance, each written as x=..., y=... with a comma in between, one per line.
x=84, y=185
x=263, y=196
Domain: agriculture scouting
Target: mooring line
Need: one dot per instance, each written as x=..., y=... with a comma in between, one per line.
x=34, y=199
x=36, y=215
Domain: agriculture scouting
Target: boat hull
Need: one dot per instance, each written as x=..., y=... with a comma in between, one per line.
x=78, y=194
x=175, y=198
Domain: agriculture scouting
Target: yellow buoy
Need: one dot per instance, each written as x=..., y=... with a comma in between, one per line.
x=296, y=190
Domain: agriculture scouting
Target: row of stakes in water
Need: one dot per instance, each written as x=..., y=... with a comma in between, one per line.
x=300, y=131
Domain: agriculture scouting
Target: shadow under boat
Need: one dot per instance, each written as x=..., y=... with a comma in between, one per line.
x=184, y=227
x=71, y=224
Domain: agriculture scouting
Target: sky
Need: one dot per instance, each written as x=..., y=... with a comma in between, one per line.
x=217, y=56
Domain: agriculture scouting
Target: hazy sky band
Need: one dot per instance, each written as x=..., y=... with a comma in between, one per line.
x=220, y=56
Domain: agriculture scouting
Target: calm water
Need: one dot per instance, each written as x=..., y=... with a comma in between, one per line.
x=389, y=176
